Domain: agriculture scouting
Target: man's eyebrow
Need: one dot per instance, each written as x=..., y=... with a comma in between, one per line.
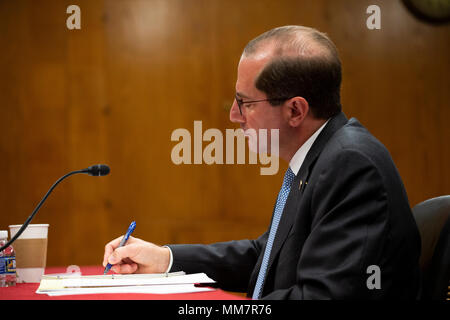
x=240, y=94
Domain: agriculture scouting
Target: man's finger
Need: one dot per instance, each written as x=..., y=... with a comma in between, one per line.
x=109, y=249
x=125, y=268
x=127, y=251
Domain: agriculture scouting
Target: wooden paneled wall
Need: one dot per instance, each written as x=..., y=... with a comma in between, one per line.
x=114, y=91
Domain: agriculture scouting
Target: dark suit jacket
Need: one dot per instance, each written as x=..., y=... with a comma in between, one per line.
x=352, y=213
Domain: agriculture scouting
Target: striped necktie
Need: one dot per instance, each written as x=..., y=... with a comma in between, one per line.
x=281, y=201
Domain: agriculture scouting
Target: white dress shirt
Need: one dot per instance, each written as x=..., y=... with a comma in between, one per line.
x=298, y=158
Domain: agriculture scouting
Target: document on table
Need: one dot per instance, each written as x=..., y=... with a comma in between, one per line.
x=164, y=283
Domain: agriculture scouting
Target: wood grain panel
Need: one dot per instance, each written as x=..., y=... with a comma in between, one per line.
x=114, y=91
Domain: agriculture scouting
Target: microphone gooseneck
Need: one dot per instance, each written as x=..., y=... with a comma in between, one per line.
x=95, y=170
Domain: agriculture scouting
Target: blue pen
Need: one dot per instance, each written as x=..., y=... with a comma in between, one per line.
x=122, y=243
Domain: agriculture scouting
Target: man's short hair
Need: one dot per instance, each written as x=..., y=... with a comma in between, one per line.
x=305, y=63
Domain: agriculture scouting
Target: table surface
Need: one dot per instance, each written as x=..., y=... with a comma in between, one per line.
x=27, y=291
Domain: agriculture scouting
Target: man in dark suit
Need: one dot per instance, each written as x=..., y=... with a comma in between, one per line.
x=342, y=227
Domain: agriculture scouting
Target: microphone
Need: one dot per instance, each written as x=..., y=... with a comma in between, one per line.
x=95, y=170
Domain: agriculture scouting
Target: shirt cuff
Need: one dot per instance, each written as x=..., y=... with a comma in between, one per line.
x=171, y=259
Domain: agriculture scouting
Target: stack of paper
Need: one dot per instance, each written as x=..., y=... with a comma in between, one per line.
x=176, y=282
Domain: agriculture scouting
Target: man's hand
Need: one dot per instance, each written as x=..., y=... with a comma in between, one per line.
x=137, y=256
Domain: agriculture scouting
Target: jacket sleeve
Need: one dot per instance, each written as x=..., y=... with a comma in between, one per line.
x=229, y=263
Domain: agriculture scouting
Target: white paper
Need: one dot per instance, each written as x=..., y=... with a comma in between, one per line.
x=136, y=280
x=152, y=289
x=132, y=283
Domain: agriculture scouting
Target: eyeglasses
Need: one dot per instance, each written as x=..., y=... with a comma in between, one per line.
x=241, y=102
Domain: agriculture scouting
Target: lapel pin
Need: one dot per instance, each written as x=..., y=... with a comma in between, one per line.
x=302, y=185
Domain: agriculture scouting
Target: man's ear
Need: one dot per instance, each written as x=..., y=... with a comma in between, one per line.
x=297, y=109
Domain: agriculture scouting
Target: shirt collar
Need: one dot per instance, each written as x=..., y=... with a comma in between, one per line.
x=298, y=158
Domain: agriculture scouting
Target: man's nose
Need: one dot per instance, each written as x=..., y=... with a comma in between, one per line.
x=235, y=115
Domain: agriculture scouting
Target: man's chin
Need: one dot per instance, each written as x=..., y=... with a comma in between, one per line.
x=261, y=144
x=253, y=147
x=256, y=147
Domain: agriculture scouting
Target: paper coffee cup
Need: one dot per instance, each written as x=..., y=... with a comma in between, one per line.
x=31, y=252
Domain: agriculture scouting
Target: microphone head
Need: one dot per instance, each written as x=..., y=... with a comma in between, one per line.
x=98, y=170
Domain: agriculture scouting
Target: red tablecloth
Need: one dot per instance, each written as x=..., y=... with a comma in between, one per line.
x=26, y=291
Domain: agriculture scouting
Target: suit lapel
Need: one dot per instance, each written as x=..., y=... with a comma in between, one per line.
x=290, y=208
